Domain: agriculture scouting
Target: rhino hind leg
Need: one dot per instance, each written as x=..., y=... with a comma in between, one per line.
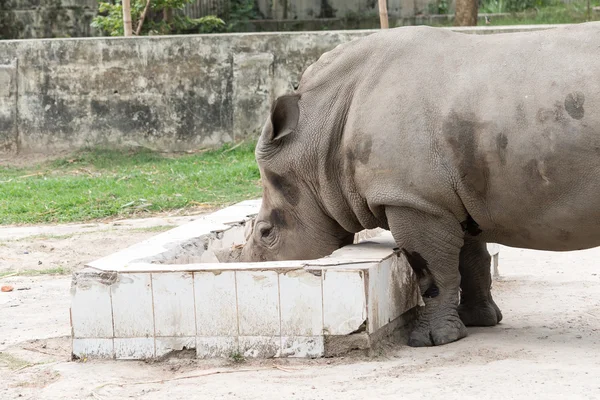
x=431, y=244
x=477, y=308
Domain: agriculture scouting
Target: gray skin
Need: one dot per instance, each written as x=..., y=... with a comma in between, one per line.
x=448, y=140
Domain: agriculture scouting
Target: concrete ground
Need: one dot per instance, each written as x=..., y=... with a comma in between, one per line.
x=546, y=347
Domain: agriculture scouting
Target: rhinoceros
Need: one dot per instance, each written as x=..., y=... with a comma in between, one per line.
x=448, y=140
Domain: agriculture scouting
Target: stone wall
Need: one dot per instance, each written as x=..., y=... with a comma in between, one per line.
x=173, y=93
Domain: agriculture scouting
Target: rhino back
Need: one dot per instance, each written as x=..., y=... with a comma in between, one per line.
x=503, y=128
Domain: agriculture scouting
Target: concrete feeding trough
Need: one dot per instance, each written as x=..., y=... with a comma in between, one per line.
x=173, y=292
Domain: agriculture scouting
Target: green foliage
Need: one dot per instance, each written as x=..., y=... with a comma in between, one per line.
x=439, y=7
x=512, y=6
x=237, y=14
x=522, y=5
x=162, y=18
x=241, y=9
x=240, y=12
x=556, y=12
x=492, y=7
x=209, y=24
x=544, y=11
x=110, y=19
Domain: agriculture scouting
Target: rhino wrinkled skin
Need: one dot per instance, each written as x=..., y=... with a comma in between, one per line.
x=448, y=140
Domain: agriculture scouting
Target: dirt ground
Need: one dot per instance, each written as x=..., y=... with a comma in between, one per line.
x=546, y=347
x=70, y=246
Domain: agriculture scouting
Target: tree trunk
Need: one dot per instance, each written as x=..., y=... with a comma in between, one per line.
x=589, y=11
x=127, y=18
x=466, y=13
x=383, y=14
x=168, y=15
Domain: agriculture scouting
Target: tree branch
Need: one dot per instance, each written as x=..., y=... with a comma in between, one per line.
x=142, y=18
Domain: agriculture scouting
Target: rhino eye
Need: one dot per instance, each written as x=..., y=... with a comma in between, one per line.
x=265, y=231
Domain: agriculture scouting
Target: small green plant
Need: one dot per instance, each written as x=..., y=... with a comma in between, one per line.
x=209, y=24
x=237, y=357
x=493, y=7
x=161, y=18
x=439, y=7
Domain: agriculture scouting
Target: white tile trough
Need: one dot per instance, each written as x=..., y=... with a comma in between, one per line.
x=170, y=293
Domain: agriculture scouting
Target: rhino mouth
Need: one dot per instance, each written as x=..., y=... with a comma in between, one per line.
x=220, y=247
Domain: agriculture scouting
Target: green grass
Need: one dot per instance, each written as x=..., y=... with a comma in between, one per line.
x=157, y=228
x=99, y=184
x=33, y=272
x=556, y=12
x=45, y=236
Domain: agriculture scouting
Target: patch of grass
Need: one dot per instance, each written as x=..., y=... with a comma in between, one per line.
x=36, y=272
x=556, y=14
x=42, y=379
x=48, y=271
x=12, y=362
x=550, y=12
x=44, y=237
x=99, y=184
x=157, y=228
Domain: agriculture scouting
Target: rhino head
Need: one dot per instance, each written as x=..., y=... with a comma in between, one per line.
x=294, y=222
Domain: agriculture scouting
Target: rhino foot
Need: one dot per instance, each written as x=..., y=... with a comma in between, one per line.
x=437, y=331
x=482, y=314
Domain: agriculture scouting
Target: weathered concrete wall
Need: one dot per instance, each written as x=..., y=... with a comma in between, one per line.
x=8, y=107
x=25, y=19
x=170, y=93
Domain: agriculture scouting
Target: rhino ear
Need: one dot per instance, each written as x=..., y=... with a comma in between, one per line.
x=284, y=116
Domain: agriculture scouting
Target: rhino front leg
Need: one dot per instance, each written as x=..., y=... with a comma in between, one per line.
x=431, y=244
x=477, y=308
